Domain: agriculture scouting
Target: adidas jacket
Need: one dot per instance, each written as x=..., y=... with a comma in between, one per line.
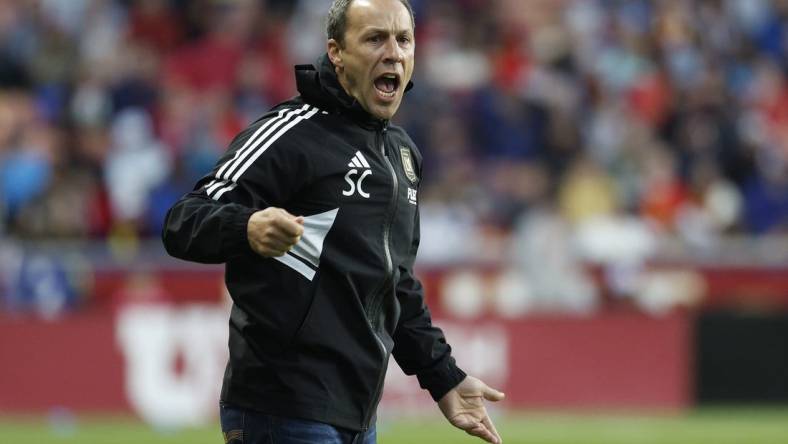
x=311, y=332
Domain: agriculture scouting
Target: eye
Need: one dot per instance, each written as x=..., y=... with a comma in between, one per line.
x=375, y=38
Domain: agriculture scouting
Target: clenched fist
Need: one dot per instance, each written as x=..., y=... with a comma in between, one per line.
x=274, y=231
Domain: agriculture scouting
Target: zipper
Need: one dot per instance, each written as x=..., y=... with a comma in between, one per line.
x=375, y=303
x=379, y=387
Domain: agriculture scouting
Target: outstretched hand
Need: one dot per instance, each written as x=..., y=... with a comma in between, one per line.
x=464, y=407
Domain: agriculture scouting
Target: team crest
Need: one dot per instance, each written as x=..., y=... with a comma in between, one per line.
x=407, y=163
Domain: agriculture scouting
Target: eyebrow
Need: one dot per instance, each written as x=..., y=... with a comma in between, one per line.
x=385, y=30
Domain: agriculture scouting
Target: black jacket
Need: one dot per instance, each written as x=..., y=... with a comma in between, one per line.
x=311, y=332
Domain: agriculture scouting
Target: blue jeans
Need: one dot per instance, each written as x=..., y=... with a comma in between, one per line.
x=244, y=426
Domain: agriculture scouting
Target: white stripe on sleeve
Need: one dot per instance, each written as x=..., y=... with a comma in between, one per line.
x=224, y=190
x=269, y=127
x=270, y=142
x=228, y=186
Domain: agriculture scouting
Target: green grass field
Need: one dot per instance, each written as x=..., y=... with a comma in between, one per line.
x=713, y=426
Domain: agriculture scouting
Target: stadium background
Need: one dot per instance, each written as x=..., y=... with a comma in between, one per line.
x=604, y=211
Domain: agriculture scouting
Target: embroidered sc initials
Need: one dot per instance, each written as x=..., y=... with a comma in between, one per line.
x=354, y=185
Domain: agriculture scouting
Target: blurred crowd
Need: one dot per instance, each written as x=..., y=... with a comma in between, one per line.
x=672, y=114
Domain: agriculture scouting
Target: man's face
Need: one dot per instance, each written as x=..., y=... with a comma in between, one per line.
x=376, y=61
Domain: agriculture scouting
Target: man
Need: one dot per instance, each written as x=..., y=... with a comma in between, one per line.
x=314, y=210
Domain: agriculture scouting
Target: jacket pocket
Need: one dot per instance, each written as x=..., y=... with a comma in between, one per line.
x=305, y=318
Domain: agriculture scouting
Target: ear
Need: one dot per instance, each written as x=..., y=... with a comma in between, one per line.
x=334, y=51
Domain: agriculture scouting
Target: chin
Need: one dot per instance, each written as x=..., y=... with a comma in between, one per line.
x=385, y=116
x=385, y=112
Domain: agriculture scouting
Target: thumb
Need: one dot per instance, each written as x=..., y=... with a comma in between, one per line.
x=491, y=394
x=299, y=220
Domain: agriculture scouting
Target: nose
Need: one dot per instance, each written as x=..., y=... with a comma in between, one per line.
x=393, y=52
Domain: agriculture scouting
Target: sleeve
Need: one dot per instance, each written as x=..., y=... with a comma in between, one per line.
x=262, y=167
x=419, y=347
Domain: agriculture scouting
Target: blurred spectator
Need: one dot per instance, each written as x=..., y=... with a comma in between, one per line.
x=136, y=164
x=543, y=253
x=675, y=113
x=26, y=153
x=35, y=282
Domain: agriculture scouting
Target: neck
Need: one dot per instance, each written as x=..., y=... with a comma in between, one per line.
x=345, y=84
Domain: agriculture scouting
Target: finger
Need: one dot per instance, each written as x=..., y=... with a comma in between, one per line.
x=491, y=427
x=296, y=219
x=275, y=247
x=289, y=226
x=491, y=394
x=278, y=241
x=475, y=430
x=283, y=238
x=479, y=430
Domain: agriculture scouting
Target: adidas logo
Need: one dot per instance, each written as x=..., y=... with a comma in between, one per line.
x=357, y=162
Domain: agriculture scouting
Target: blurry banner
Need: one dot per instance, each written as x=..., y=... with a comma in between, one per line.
x=618, y=360
x=155, y=344
x=164, y=362
x=71, y=363
x=174, y=360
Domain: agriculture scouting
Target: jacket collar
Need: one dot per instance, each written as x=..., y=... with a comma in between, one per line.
x=320, y=86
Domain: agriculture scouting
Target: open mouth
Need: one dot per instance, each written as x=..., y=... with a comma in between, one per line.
x=387, y=85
